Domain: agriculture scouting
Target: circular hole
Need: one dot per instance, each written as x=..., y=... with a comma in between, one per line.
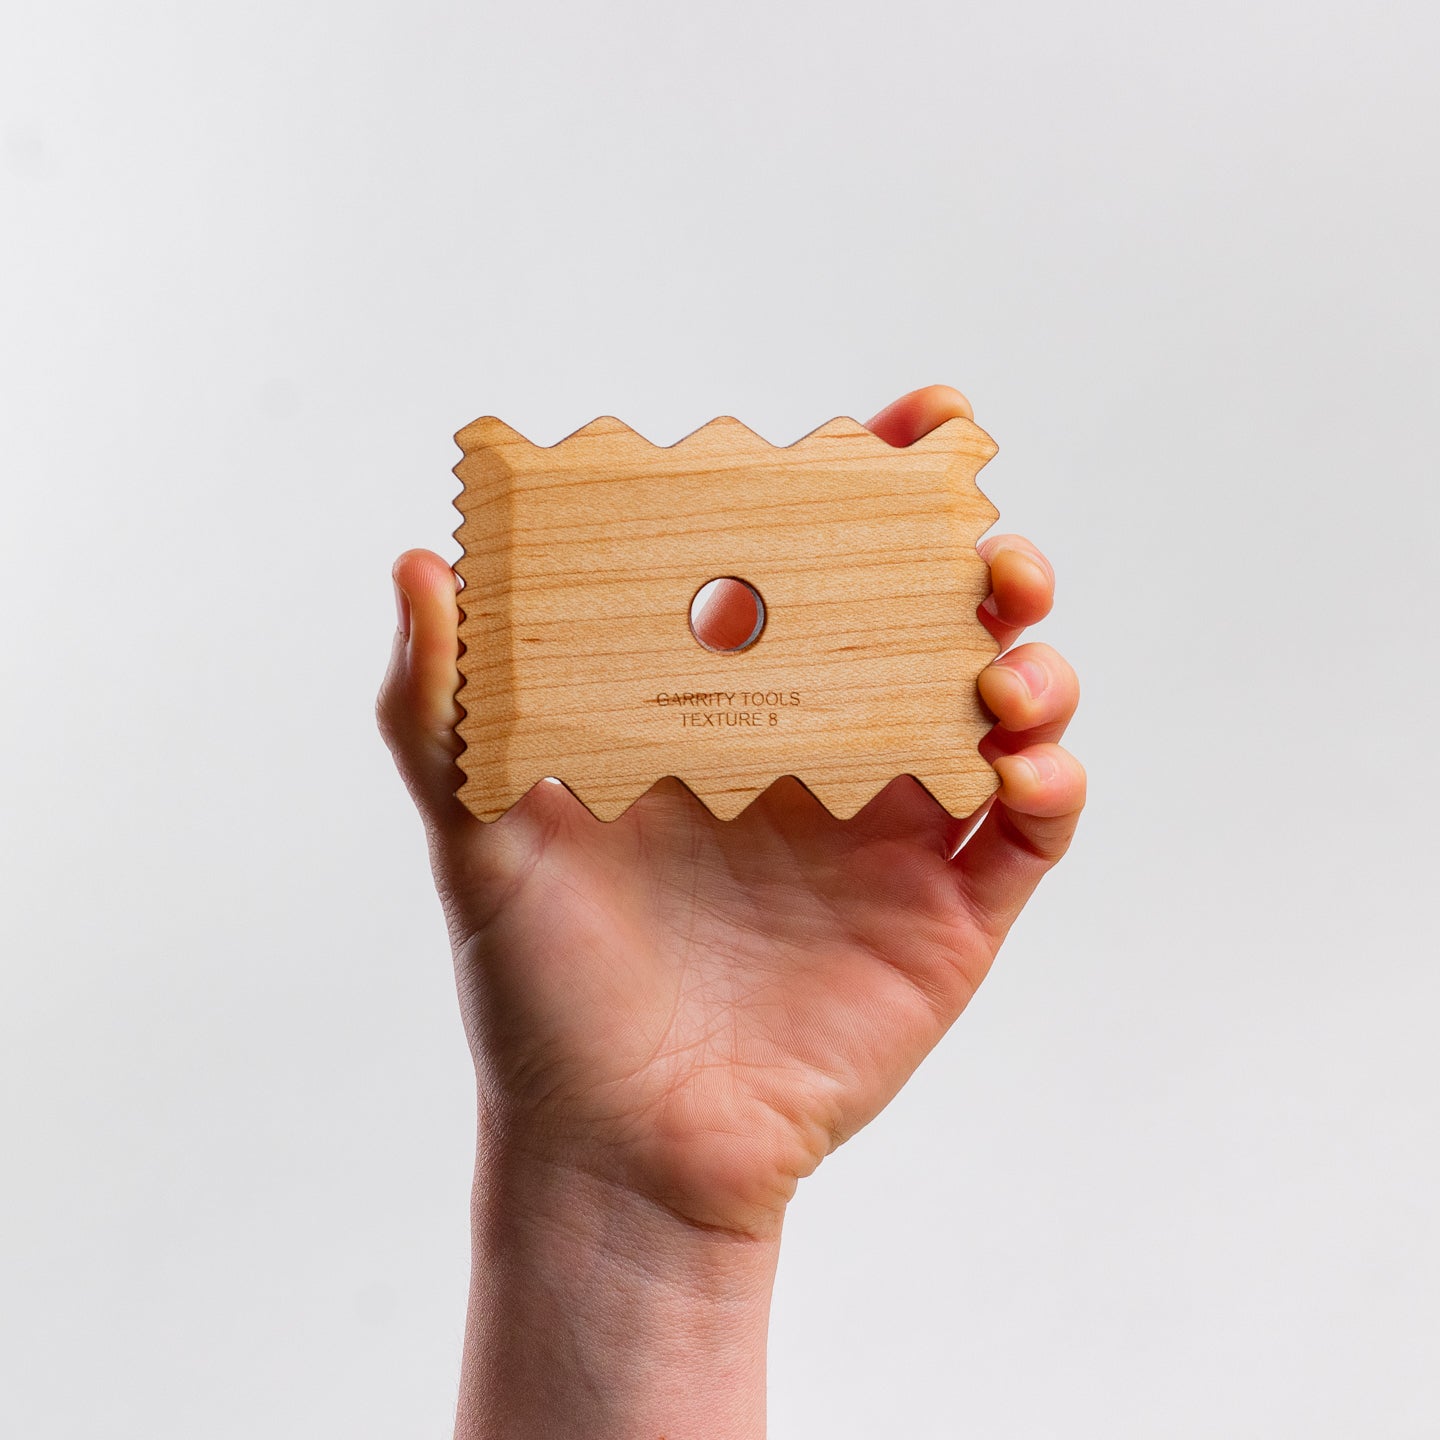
x=727, y=614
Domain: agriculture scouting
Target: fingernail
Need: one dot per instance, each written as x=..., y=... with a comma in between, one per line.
x=1032, y=675
x=1042, y=767
x=402, y=612
x=1040, y=569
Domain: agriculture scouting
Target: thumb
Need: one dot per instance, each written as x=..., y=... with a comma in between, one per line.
x=416, y=709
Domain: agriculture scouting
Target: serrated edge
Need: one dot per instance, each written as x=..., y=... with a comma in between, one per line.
x=858, y=433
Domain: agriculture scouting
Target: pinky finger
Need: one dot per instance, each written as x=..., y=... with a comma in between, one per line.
x=1028, y=829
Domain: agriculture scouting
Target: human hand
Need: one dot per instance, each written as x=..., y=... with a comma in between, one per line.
x=691, y=1012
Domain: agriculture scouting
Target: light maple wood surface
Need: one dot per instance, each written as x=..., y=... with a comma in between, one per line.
x=580, y=562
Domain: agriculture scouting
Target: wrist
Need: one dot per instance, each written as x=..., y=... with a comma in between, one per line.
x=596, y=1311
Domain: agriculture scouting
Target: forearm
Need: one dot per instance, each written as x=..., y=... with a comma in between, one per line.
x=596, y=1313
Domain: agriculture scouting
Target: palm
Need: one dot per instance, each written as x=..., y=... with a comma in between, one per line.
x=718, y=1003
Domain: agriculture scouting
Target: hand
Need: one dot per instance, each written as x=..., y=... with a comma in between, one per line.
x=694, y=1013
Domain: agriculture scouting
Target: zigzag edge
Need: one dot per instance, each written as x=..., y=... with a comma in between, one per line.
x=609, y=812
x=852, y=430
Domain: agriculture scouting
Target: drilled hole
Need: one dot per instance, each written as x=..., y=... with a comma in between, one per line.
x=727, y=614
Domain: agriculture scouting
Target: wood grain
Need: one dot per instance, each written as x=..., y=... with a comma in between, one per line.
x=580, y=562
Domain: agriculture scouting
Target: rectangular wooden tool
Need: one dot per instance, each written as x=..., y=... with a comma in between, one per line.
x=856, y=661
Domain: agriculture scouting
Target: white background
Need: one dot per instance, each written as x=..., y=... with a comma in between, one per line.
x=1175, y=1172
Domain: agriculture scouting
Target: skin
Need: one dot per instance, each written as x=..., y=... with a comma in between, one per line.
x=675, y=1019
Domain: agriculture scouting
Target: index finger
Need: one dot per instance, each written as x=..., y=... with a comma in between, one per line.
x=904, y=421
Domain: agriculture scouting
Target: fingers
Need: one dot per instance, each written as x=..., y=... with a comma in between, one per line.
x=416, y=709
x=1021, y=579
x=1029, y=827
x=1022, y=587
x=1033, y=693
x=905, y=420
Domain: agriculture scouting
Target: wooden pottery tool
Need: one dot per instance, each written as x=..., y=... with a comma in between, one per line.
x=841, y=645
